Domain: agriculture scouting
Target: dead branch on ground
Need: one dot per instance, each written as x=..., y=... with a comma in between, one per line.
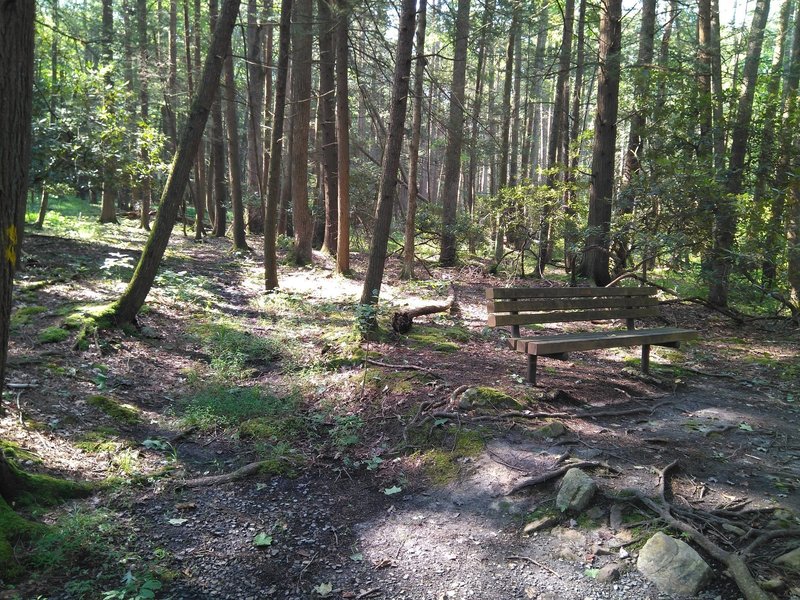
x=403, y=320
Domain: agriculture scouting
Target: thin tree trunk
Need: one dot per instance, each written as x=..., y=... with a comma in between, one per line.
x=125, y=309
x=343, y=142
x=301, y=102
x=596, y=258
x=413, y=149
x=391, y=156
x=327, y=99
x=726, y=213
x=255, y=101
x=199, y=195
x=276, y=147
x=108, y=209
x=455, y=139
x=559, y=132
x=234, y=164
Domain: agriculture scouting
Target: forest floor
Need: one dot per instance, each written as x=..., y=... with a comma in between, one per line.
x=373, y=482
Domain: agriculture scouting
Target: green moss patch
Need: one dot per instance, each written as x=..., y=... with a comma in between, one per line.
x=15, y=451
x=52, y=335
x=398, y=382
x=442, y=465
x=234, y=350
x=274, y=428
x=24, y=315
x=439, y=339
x=488, y=398
x=124, y=413
x=220, y=406
x=100, y=440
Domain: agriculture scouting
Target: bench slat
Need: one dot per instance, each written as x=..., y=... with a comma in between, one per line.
x=543, y=304
x=559, y=344
x=567, y=316
x=565, y=292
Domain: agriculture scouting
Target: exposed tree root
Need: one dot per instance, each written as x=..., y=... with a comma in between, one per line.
x=378, y=363
x=240, y=473
x=532, y=481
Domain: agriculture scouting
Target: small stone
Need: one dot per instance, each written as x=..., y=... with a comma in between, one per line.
x=542, y=523
x=576, y=491
x=551, y=430
x=608, y=573
x=776, y=584
x=673, y=566
x=790, y=560
x=615, y=516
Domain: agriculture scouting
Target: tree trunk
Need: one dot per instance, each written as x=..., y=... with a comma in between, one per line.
x=413, y=149
x=234, y=164
x=144, y=111
x=327, y=99
x=775, y=228
x=16, y=94
x=108, y=208
x=391, y=156
x=125, y=309
x=726, y=213
x=276, y=147
x=301, y=102
x=199, y=195
x=455, y=137
x=570, y=226
x=641, y=93
x=342, y=142
x=217, y=150
x=596, y=259
x=559, y=131
x=504, y=136
x=255, y=100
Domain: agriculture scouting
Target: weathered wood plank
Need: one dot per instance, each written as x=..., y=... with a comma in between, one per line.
x=565, y=292
x=565, y=316
x=500, y=306
x=544, y=345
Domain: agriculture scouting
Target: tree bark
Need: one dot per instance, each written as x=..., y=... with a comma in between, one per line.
x=726, y=213
x=16, y=94
x=327, y=99
x=276, y=147
x=391, y=156
x=301, y=102
x=455, y=137
x=596, y=258
x=218, y=151
x=256, y=73
x=108, y=208
x=342, y=142
x=125, y=309
x=413, y=149
x=559, y=131
x=234, y=164
x=144, y=111
x=570, y=225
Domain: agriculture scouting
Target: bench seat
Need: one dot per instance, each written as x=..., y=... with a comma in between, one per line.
x=545, y=345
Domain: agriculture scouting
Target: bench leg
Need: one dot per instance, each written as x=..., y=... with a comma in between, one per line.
x=646, y=359
x=532, y=369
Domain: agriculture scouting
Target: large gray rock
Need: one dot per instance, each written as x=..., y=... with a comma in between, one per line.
x=576, y=491
x=673, y=566
x=790, y=560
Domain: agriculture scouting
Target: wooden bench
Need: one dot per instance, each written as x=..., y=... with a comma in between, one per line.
x=516, y=307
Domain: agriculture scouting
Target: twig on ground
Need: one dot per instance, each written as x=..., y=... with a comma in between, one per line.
x=367, y=593
x=240, y=473
x=409, y=367
x=534, y=562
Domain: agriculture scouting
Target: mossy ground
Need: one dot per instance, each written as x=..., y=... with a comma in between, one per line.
x=489, y=398
x=116, y=410
x=439, y=339
x=443, y=460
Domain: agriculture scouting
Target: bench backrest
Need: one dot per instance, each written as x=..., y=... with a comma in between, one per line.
x=529, y=306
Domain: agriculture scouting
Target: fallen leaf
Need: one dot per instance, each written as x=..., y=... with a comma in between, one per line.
x=177, y=522
x=591, y=573
x=745, y=427
x=324, y=589
x=396, y=489
x=261, y=540
x=358, y=557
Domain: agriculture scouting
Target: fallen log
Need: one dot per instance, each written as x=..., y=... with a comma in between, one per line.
x=403, y=320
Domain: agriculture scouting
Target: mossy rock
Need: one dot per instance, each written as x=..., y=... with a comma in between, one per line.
x=553, y=429
x=124, y=413
x=487, y=397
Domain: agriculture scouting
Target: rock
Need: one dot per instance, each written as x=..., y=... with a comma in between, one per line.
x=673, y=566
x=615, y=516
x=576, y=491
x=551, y=430
x=542, y=523
x=486, y=397
x=790, y=560
x=608, y=574
x=596, y=513
x=776, y=584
